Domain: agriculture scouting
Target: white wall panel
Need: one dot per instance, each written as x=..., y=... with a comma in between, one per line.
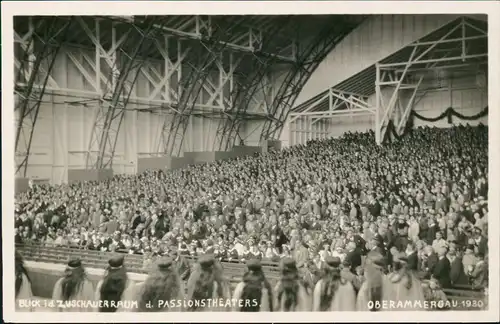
x=200, y=135
x=462, y=95
x=377, y=38
x=250, y=132
x=304, y=129
x=340, y=125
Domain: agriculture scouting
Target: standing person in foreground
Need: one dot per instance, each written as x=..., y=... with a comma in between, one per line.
x=332, y=292
x=22, y=284
x=205, y=284
x=290, y=293
x=405, y=285
x=254, y=293
x=162, y=286
x=74, y=288
x=375, y=288
x=110, y=289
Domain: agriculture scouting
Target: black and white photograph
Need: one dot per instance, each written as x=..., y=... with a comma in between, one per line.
x=249, y=161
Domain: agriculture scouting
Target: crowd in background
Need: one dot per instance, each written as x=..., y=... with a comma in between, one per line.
x=424, y=196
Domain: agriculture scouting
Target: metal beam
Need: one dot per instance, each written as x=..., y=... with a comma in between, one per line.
x=248, y=85
x=247, y=41
x=205, y=57
x=395, y=96
x=384, y=70
x=430, y=46
x=409, y=107
x=323, y=114
x=43, y=47
x=111, y=109
x=308, y=59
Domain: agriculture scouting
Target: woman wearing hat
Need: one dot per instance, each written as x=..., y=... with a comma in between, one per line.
x=290, y=293
x=332, y=292
x=112, y=286
x=405, y=284
x=160, y=292
x=207, y=282
x=74, y=286
x=22, y=283
x=254, y=293
x=375, y=287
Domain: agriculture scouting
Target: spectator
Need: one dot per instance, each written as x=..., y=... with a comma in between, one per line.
x=330, y=193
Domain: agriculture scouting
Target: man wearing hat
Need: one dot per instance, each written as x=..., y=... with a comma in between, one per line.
x=111, y=287
x=74, y=287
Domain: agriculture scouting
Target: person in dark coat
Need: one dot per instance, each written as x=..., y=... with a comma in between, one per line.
x=431, y=260
x=353, y=256
x=374, y=207
x=431, y=232
x=481, y=241
x=442, y=270
x=413, y=263
x=457, y=273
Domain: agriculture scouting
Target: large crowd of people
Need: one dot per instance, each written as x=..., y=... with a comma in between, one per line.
x=419, y=204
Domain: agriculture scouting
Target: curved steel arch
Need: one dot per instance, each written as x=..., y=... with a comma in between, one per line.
x=228, y=129
x=191, y=89
x=308, y=61
x=113, y=110
x=30, y=94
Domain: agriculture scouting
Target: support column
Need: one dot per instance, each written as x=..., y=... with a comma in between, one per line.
x=41, y=46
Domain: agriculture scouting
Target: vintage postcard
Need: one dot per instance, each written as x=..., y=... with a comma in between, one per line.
x=254, y=161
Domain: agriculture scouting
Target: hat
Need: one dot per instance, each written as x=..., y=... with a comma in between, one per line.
x=470, y=247
x=401, y=257
x=74, y=263
x=116, y=261
x=254, y=265
x=206, y=260
x=164, y=263
x=288, y=264
x=333, y=262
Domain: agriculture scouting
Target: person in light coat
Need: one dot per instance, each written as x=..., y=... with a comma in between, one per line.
x=333, y=292
x=254, y=293
x=161, y=286
x=290, y=293
x=74, y=287
x=207, y=283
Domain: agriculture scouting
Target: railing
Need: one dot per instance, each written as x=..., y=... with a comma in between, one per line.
x=233, y=269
